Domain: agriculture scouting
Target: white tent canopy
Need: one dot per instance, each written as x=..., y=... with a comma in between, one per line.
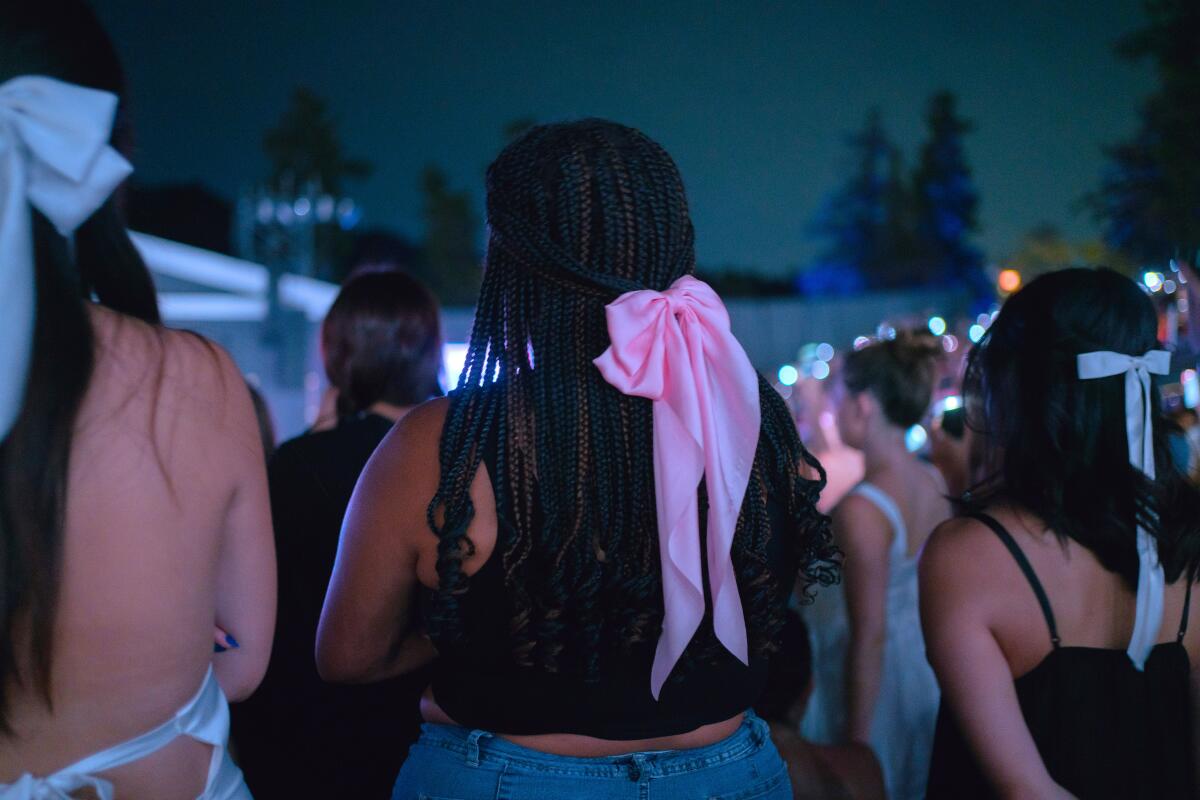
x=236, y=289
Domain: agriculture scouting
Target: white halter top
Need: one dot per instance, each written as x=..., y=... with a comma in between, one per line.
x=204, y=718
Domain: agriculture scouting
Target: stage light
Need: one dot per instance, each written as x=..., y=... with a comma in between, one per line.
x=1009, y=280
x=788, y=375
x=820, y=370
x=949, y=342
x=861, y=341
x=885, y=331
x=1153, y=281
x=1169, y=286
x=976, y=332
x=937, y=326
x=824, y=351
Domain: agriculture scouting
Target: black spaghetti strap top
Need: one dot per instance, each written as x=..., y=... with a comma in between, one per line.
x=1103, y=728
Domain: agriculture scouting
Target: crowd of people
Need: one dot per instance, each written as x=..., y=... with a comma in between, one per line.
x=601, y=566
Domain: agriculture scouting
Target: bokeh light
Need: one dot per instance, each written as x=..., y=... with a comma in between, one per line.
x=1009, y=280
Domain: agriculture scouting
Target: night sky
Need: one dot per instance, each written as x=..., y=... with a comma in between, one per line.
x=752, y=99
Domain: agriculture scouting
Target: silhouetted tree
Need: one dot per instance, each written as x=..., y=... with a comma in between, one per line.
x=450, y=261
x=945, y=201
x=515, y=128
x=1149, y=194
x=854, y=220
x=304, y=147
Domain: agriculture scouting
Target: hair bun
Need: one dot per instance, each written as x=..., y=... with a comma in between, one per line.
x=916, y=348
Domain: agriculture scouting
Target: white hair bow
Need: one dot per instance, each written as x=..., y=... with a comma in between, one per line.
x=1151, y=582
x=55, y=157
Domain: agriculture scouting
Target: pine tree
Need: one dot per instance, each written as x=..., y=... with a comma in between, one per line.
x=853, y=221
x=946, y=200
x=450, y=256
x=305, y=148
x=1149, y=194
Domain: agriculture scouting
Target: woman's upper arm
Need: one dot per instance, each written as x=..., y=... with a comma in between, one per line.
x=972, y=671
x=368, y=606
x=864, y=537
x=246, y=575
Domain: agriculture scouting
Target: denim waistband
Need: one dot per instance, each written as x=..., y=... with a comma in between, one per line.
x=479, y=747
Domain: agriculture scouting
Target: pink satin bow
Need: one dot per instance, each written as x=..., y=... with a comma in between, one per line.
x=676, y=348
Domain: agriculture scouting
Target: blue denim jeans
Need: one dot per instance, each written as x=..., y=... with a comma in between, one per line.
x=449, y=763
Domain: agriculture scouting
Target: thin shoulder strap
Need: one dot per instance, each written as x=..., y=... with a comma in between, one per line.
x=1187, y=606
x=887, y=506
x=1026, y=568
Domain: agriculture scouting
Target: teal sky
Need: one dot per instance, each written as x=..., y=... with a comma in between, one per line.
x=752, y=99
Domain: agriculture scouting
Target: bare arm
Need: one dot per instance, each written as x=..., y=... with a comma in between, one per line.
x=245, y=591
x=368, y=631
x=865, y=537
x=971, y=668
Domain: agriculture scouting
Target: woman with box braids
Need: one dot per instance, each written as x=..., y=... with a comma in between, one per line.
x=547, y=626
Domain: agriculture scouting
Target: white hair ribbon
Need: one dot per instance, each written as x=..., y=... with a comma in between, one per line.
x=1137, y=369
x=55, y=157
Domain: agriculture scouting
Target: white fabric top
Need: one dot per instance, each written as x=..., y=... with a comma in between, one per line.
x=887, y=506
x=204, y=718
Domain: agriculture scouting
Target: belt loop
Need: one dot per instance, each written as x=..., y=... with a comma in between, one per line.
x=758, y=729
x=473, y=747
x=637, y=767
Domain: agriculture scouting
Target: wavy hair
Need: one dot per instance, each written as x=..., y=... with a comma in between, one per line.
x=579, y=213
x=1056, y=445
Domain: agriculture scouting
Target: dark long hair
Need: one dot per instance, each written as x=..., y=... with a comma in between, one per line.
x=579, y=213
x=62, y=40
x=382, y=340
x=1056, y=445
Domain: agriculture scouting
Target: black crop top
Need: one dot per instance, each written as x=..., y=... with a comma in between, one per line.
x=479, y=686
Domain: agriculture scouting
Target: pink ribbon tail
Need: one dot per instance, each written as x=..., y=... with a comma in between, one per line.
x=676, y=349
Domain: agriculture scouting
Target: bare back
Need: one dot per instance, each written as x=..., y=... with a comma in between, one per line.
x=167, y=534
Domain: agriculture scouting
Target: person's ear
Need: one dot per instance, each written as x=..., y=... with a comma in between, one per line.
x=866, y=405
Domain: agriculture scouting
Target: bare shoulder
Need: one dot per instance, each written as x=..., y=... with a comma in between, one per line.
x=856, y=516
x=960, y=544
x=186, y=378
x=961, y=564
x=416, y=436
x=424, y=422
x=405, y=465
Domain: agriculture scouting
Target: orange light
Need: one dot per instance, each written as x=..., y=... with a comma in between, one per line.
x=1009, y=281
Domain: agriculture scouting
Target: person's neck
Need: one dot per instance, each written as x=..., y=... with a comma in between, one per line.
x=885, y=451
x=388, y=410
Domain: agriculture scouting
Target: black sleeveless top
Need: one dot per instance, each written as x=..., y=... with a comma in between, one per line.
x=478, y=684
x=1103, y=728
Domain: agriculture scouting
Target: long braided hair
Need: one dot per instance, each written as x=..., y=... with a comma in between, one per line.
x=579, y=213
